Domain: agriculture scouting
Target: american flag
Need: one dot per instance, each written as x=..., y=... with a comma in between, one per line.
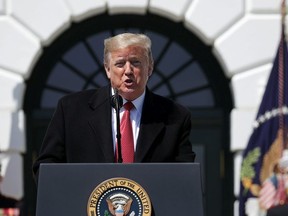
x=267, y=194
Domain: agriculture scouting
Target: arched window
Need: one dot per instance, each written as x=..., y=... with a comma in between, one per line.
x=185, y=70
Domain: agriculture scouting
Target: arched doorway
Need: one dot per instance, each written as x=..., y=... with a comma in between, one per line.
x=185, y=70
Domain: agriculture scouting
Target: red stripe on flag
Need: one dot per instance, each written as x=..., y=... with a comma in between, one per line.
x=267, y=195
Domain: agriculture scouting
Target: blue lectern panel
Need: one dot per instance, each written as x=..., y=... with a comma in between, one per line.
x=173, y=188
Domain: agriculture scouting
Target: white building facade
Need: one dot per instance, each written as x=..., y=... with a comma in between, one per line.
x=243, y=34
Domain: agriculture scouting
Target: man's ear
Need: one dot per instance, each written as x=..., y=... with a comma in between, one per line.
x=107, y=69
x=150, y=70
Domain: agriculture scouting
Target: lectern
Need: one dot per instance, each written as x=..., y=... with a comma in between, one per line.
x=158, y=189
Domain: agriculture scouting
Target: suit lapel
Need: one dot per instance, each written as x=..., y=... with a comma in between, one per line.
x=100, y=121
x=150, y=126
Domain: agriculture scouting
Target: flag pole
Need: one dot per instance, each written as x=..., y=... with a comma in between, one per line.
x=283, y=13
x=281, y=76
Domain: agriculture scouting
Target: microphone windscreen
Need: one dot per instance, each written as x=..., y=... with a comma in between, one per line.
x=116, y=99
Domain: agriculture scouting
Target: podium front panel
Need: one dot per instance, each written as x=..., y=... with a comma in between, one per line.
x=173, y=188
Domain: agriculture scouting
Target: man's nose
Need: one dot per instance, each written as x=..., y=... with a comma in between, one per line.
x=128, y=68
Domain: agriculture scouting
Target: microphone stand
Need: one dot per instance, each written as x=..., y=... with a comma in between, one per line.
x=117, y=102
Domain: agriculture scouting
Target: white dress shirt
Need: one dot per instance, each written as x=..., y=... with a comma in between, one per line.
x=135, y=116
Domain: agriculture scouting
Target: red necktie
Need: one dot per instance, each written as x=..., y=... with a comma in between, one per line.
x=127, y=143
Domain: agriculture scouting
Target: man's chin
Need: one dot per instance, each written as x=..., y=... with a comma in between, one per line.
x=129, y=94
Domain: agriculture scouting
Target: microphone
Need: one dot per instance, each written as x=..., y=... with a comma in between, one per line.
x=117, y=103
x=116, y=100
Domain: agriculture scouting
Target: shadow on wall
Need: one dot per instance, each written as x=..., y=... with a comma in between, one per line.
x=13, y=143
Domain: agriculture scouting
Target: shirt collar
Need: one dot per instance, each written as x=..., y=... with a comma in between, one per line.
x=138, y=102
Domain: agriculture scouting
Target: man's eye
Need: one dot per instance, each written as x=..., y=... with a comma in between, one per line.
x=119, y=64
x=136, y=63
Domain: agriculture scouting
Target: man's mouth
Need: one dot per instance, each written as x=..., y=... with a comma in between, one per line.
x=128, y=81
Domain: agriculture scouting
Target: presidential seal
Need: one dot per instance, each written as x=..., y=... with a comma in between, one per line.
x=119, y=197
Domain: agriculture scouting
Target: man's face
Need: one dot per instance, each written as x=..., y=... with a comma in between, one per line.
x=128, y=70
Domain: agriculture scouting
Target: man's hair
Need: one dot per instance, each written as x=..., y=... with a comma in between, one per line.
x=125, y=40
